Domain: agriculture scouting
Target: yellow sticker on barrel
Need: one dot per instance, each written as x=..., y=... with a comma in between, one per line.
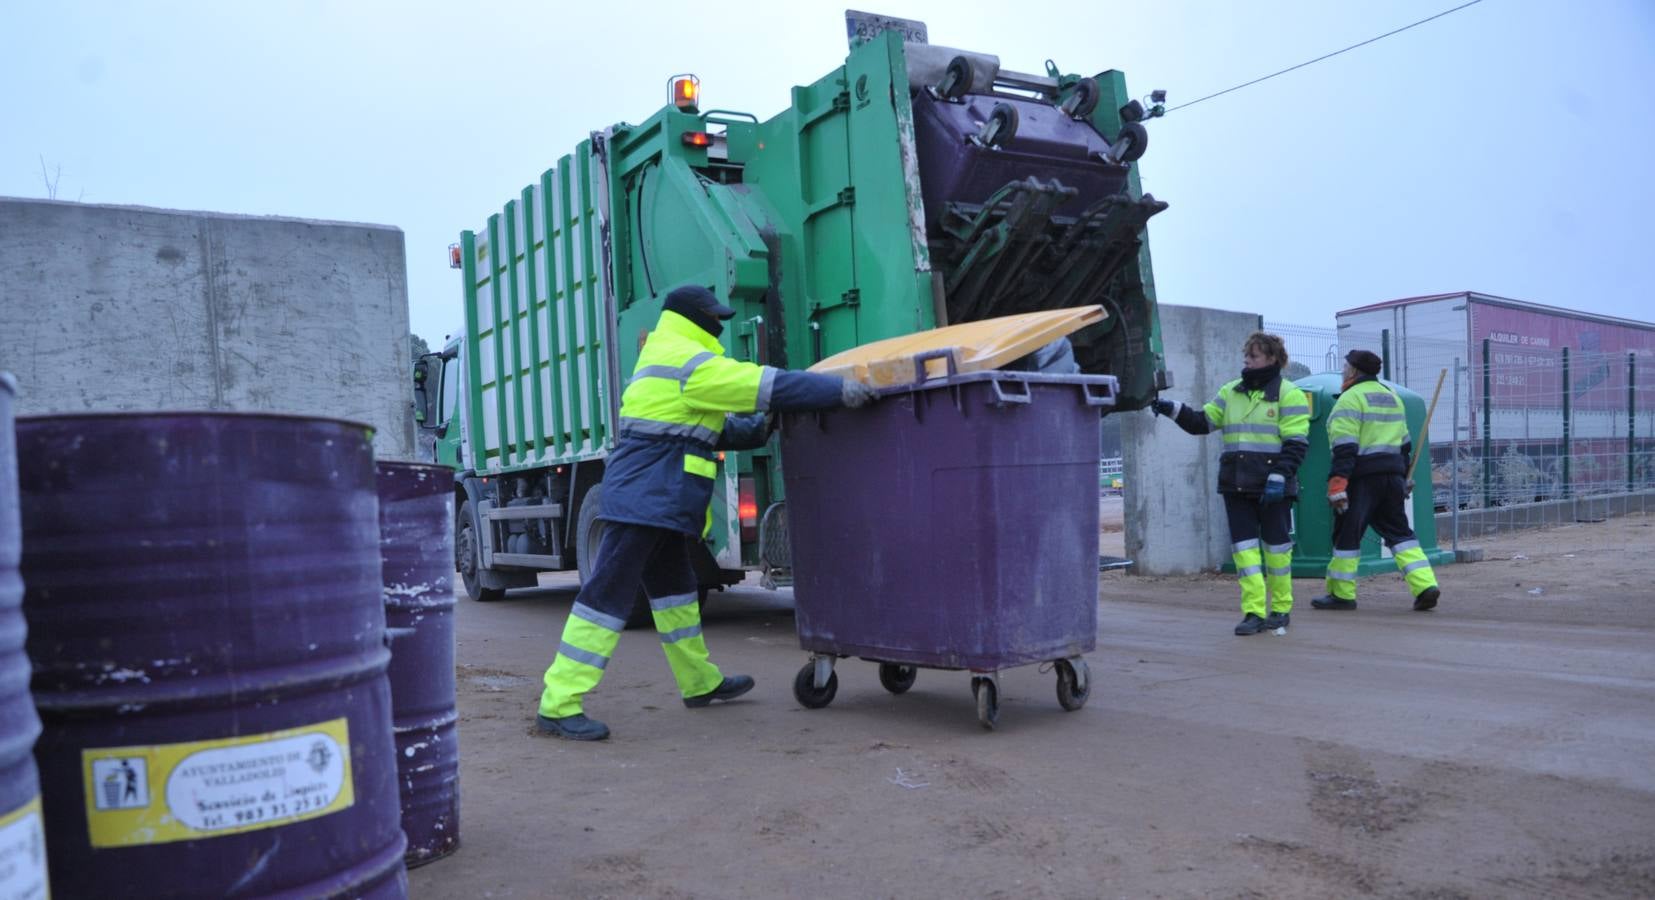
x=23, y=853
x=204, y=789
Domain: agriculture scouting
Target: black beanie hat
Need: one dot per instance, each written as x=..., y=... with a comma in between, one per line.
x=1365, y=361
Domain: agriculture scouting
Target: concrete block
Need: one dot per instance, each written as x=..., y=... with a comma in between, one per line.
x=107, y=308
x=1175, y=522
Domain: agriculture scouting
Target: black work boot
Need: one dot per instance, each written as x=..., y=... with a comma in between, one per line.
x=1276, y=620
x=575, y=728
x=1427, y=599
x=1331, y=602
x=1251, y=624
x=731, y=687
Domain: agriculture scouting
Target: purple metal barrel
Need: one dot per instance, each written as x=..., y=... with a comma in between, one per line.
x=202, y=592
x=952, y=524
x=22, y=832
x=416, y=547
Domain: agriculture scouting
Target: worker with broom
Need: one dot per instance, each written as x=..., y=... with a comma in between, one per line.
x=1368, y=483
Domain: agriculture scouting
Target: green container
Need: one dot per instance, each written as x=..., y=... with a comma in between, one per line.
x=1313, y=517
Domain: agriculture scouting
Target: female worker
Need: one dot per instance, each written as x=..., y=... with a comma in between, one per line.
x=1265, y=421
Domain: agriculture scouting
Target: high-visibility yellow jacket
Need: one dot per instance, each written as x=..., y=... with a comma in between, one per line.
x=1368, y=432
x=1266, y=432
x=674, y=412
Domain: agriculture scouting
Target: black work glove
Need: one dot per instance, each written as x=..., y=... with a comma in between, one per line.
x=1164, y=407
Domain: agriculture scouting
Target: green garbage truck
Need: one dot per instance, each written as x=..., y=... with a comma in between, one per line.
x=913, y=186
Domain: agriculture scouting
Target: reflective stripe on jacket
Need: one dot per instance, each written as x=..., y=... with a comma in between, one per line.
x=1266, y=432
x=1368, y=432
x=672, y=414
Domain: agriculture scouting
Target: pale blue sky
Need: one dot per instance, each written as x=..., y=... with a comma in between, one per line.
x=1505, y=148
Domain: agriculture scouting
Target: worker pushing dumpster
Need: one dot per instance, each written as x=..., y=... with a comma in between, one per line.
x=912, y=186
x=954, y=523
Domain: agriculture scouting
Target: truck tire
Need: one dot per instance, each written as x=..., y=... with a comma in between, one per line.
x=468, y=558
x=588, y=538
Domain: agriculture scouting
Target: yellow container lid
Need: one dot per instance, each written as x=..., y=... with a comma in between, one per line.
x=974, y=346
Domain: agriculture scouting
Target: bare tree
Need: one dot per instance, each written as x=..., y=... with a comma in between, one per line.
x=54, y=178
x=51, y=180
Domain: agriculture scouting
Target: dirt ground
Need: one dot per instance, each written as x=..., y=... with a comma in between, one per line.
x=1501, y=746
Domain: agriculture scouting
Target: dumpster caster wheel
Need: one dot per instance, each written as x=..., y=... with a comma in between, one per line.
x=988, y=701
x=808, y=694
x=897, y=679
x=1074, y=684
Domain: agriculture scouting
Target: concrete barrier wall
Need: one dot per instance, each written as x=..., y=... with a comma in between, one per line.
x=129, y=308
x=1175, y=522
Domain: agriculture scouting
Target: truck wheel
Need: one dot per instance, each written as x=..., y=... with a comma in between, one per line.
x=588, y=538
x=589, y=532
x=468, y=557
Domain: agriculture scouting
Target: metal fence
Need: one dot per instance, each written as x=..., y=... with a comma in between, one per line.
x=1111, y=469
x=1317, y=349
x=1521, y=436
x=1543, y=436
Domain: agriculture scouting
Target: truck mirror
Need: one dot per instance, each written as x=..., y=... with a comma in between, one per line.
x=427, y=375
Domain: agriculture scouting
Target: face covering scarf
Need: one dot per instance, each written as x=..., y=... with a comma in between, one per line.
x=1257, y=379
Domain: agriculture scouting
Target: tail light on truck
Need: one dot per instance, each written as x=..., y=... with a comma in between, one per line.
x=747, y=509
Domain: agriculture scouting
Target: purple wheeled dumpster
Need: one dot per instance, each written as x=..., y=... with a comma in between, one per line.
x=953, y=524
x=1046, y=141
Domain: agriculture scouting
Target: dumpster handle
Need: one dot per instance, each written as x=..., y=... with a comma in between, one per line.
x=1001, y=397
x=1107, y=398
x=923, y=358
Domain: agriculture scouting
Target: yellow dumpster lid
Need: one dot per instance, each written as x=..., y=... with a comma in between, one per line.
x=974, y=346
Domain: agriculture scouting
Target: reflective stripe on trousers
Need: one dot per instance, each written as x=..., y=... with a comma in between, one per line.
x=629, y=554
x=678, y=621
x=589, y=639
x=1341, y=573
x=1414, y=566
x=1250, y=572
x=1278, y=576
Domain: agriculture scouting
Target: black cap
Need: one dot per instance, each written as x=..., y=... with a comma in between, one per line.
x=1365, y=361
x=692, y=301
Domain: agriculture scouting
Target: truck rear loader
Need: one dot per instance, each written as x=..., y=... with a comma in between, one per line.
x=913, y=186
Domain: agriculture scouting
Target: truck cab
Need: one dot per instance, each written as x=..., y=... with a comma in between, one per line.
x=437, y=409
